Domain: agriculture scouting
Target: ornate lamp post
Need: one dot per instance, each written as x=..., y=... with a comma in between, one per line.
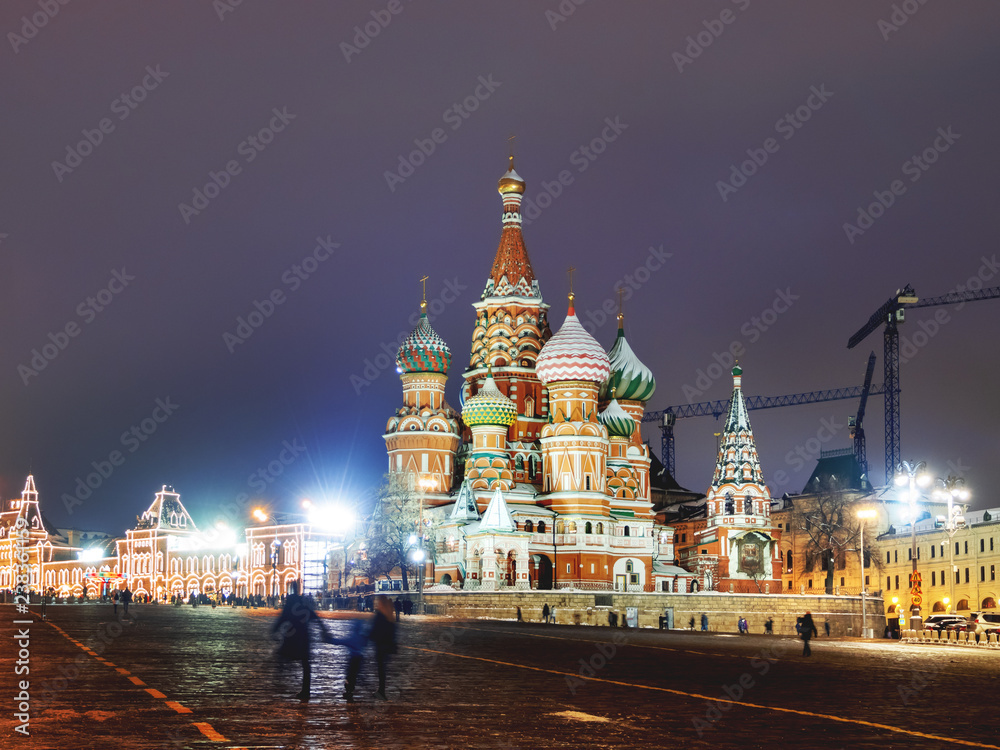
x=951, y=489
x=419, y=555
x=864, y=515
x=912, y=476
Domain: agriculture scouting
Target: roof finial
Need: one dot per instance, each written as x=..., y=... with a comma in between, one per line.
x=510, y=140
x=621, y=315
x=572, y=296
x=423, y=295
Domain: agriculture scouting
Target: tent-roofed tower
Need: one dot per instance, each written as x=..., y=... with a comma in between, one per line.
x=422, y=437
x=511, y=327
x=739, y=535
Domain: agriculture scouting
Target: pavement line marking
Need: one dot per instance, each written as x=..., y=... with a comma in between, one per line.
x=779, y=639
x=155, y=693
x=120, y=670
x=207, y=730
x=136, y=681
x=179, y=708
x=710, y=699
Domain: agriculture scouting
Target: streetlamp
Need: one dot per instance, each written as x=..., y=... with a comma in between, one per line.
x=864, y=515
x=913, y=475
x=419, y=555
x=951, y=489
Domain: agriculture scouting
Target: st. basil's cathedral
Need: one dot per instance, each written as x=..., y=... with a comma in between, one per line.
x=542, y=479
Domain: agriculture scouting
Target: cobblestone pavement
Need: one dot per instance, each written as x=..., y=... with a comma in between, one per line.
x=187, y=677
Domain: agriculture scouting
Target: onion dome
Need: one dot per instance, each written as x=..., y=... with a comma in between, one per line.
x=489, y=406
x=423, y=350
x=616, y=420
x=511, y=182
x=572, y=354
x=632, y=379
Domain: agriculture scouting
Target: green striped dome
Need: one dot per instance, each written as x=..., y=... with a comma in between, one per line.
x=489, y=406
x=633, y=381
x=616, y=420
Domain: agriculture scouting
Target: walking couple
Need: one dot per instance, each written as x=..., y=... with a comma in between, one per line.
x=294, y=627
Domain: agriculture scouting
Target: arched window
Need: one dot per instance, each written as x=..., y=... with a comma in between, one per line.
x=529, y=407
x=989, y=603
x=560, y=527
x=588, y=528
x=627, y=532
x=572, y=527
x=628, y=566
x=529, y=526
x=519, y=463
x=600, y=528
x=962, y=604
x=788, y=561
x=541, y=527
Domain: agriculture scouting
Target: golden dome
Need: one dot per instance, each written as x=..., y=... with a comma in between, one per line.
x=511, y=182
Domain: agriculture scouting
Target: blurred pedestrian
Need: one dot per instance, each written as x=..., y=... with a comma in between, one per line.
x=356, y=643
x=293, y=625
x=398, y=606
x=552, y=614
x=808, y=631
x=383, y=635
x=126, y=599
x=114, y=600
x=704, y=622
x=520, y=618
x=826, y=626
x=691, y=624
x=545, y=613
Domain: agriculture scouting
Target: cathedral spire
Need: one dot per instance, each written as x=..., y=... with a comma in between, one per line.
x=737, y=462
x=511, y=275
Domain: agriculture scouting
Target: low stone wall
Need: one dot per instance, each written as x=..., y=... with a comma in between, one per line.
x=723, y=610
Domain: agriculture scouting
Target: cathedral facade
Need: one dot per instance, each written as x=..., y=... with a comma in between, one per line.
x=541, y=478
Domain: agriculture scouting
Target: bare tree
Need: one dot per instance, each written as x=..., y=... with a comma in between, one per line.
x=393, y=523
x=830, y=526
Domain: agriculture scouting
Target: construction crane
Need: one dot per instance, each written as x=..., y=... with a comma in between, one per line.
x=856, y=423
x=891, y=314
x=669, y=416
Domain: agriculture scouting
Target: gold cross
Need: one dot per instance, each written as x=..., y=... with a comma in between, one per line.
x=621, y=291
x=423, y=283
x=570, y=272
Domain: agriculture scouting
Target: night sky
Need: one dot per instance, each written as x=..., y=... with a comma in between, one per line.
x=832, y=104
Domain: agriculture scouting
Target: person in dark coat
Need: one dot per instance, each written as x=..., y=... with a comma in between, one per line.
x=114, y=600
x=808, y=631
x=126, y=598
x=383, y=635
x=293, y=625
x=398, y=606
x=704, y=621
x=545, y=613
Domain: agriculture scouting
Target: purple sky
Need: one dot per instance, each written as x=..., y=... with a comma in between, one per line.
x=66, y=230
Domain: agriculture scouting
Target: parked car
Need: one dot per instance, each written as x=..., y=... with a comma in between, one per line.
x=987, y=622
x=941, y=622
x=962, y=624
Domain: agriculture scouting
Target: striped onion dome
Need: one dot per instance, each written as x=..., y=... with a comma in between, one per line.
x=616, y=420
x=633, y=381
x=423, y=350
x=572, y=354
x=489, y=406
